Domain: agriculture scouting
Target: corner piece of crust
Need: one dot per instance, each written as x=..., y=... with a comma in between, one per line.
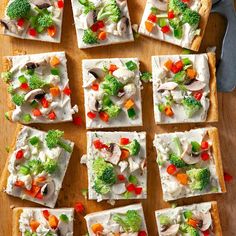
x=204, y=12
x=213, y=109
x=216, y=219
x=5, y=172
x=15, y=221
x=214, y=136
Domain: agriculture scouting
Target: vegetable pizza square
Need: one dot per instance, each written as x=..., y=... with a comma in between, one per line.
x=33, y=19
x=184, y=88
x=112, y=92
x=178, y=22
x=190, y=163
x=116, y=164
x=118, y=221
x=37, y=165
x=29, y=221
x=101, y=22
x=196, y=219
x=38, y=88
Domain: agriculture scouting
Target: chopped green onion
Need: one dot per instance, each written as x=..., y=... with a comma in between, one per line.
x=30, y=72
x=24, y=170
x=22, y=79
x=34, y=140
x=154, y=10
x=188, y=214
x=195, y=146
x=146, y=77
x=127, y=195
x=186, y=61
x=131, y=113
x=178, y=32
x=26, y=118
x=162, y=22
x=131, y=65
x=55, y=71
x=64, y=218
x=133, y=179
x=161, y=107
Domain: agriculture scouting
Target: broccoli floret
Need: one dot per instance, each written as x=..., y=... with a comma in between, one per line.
x=99, y=165
x=50, y=166
x=191, y=106
x=110, y=11
x=108, y=176
x=130, y=222
x=53, y=139
x=191, y=17
x=111, y=85
x=191, y=231
x=177, y=6
x=45, y=20
x=177, y=161
x=35, y=82
x=88, y=6
x=35, y=166
x=90, y=37
x=18, y=9
x=100, y=187
x=113, y=111
x=199, y=178
x=133, y=147
x=18, y=99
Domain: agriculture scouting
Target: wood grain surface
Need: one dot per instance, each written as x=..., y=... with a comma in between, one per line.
x=76, y=176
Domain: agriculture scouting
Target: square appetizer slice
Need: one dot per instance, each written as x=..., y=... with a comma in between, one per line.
x=196, y=219
x=38, y=88
x=33, y=19
x=184, y=88
x=37, y=165
x=178, y=22
x=102, y=22
x=190, y=163
x=128, y=220
x=116, y=164
x=112, y=93
x=42, y=222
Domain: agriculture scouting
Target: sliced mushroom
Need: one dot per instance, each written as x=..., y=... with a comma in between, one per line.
x=11, y=26
x=118, y=188
x=93, y=104
x=89, y=19
x=195, y=86
x=206, y=220
x=42, y=4
x=34, y=65
x=123, y=74
x=122, y=25
x=123, y=165
x=171, y=231
x=160, y=4
x=48, y=189
x=133, y=166
x=167, y=86
x=30, y=96
x=115, y=151
x=97, y=73
x=187, y=157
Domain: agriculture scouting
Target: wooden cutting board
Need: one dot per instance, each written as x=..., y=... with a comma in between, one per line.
x=76, y=176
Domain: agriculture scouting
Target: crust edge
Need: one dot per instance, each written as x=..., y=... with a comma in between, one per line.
x=15, y=221
x=216, y=219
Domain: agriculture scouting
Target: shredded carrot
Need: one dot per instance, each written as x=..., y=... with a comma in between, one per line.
x=124, y=154
x=191, y=73
x=55, y=91
x=53, y=221
x=168, y=111
x=55, y=61
x=182, y=178
x=129, y=104
x=34, y=224
x=97, y=228
x=168, y=64
x=149, y=26
x=52, y=30
x=102, y=35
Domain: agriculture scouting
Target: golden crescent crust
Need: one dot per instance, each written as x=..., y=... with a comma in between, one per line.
x=214, y=136
x=216, y=219
x=15, y=221
x=204, y=12
x=5, y=172
x=213, y=109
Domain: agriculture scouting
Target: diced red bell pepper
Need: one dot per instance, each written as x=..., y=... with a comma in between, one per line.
x=204, y=145
x=171, y=169
x=46, y=214
x=32, y=32
x=77, y=120
x=130, y=187
x=165, y=29
x=185, y=1
x=205, y=156
x=33, y=191
x=104, y=116
x=174, y=69
x=36, y=112
x=95, y=86
x=152, y=18
x=19, y=183
x=79, y=207
x=138, y=190
x=206, y=233
x=91, y=115
x=179, y=64
x=98, y=144
x=44, y=102
x=19, y=155
x=67, y=91
x=100, y=24
x=228, y=177
x=24, y=86
x=94, y=27
x=39, y=196
x=121, y=177
x=112, y=68
x=52, y=115
x=60, y=4
x=124, y=141
x=171, y=15
x=21, y=22
x=142, y=233
x=198, y=95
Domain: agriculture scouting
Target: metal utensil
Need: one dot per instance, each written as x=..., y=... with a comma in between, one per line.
x=226, y=70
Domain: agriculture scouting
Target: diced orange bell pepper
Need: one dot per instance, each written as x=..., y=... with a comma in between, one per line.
x=182, y=178
x=53, y=221
x=149, y=26
x=124, y=154
x=112, y=68
x=40, y=179
x=168, y=111
x=104, y=116
x=191, y=73
x=102, y=35
x=34, y=224
x=55, y=91
x=55, y=61
x=129, y=104
x=97, y=228
x=193, y=222
x=168, y=64
x=52, y=30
